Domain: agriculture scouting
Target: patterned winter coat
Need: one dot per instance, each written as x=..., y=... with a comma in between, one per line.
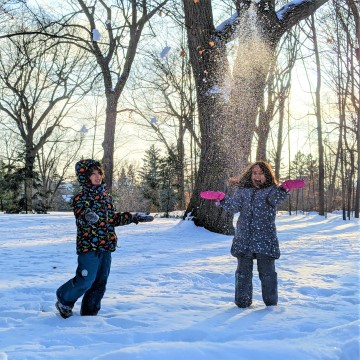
x=255, y=229
x=101, y=235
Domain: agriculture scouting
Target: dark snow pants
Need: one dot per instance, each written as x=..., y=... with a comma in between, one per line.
x=243, y=280
x=90, y=280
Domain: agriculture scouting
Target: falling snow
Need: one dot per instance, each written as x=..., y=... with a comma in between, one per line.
x=165, y=51
x=96, y=35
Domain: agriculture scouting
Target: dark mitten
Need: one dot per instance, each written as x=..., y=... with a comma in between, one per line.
x=142, y=217
x=135, y=220
x=91, y=217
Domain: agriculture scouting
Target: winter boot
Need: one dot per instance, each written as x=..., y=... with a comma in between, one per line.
x=64, y=310
x=243, y=290
x=269, y=289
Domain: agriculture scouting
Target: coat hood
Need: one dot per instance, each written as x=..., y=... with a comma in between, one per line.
x=82, y=170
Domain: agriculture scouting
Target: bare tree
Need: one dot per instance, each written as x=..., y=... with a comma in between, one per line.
x=317, y=108
x=111, y=34
x=342, y=31
x=53, y=161
x=9, y=145
x=7, y=9
x=354, y=13
x=39, y=83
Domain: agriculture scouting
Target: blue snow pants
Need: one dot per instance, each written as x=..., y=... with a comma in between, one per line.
x=90, y=280
x=244, y=275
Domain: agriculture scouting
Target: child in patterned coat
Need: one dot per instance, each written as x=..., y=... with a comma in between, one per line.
x=96, y=239
x=256, y=199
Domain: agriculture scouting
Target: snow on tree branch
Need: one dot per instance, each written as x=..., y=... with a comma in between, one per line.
x=296, y=10
x=287, y=16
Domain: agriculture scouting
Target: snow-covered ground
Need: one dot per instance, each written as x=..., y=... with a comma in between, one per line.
x=170, y=294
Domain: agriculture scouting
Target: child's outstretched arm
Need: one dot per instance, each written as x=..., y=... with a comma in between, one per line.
x=142, y=217
x=283, y=191
x=122, y=218
x=126, y=218
x=230, y=204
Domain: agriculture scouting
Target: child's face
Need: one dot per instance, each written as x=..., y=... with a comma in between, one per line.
x=257, y=176
x=96, y=178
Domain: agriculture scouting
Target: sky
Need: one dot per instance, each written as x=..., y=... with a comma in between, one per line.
x=171, y=290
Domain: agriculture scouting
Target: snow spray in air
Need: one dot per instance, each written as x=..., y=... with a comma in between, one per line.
x=245, y=91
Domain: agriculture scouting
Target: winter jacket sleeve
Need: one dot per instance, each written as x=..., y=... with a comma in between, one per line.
x=277, y=195
x=80, y=206
x=122, y=218
x=232, y=204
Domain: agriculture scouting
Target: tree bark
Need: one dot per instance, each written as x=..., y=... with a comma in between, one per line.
x=109, y=137
x=265, y=116
x=209, y=65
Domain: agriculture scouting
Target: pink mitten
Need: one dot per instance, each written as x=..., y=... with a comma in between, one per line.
x=212, y=195
x=293, y=184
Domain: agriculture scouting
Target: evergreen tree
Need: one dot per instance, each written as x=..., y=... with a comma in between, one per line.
x=6, y=196
x=12, y=186
x=160, y=181
x=151, y=179
x=169, y=183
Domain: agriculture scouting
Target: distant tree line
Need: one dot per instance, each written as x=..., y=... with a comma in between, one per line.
x=155, y=188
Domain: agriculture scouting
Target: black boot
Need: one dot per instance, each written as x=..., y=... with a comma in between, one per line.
x=243, y=290
x=64, y=310
x=269, y=289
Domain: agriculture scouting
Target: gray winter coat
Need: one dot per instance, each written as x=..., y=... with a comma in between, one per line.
x=255, y=229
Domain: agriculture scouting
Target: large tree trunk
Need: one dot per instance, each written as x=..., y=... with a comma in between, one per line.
x=209, y=63
x=29, y=176
x=266, y=113
x=109, y=136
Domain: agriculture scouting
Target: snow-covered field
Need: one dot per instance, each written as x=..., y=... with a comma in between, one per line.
x=170, y=294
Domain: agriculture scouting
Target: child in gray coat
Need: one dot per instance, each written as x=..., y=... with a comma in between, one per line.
x=256, y=198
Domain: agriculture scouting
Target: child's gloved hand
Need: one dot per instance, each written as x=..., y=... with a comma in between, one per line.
x=91, y=217
x=293, y=184
x=212, y=195
x=141, y=217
